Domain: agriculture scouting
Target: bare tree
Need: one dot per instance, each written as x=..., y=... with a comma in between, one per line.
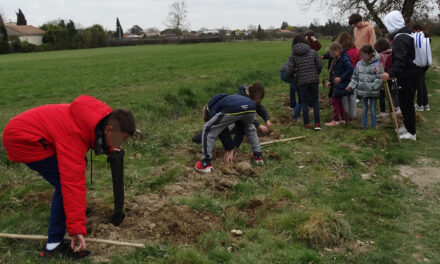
x=373, y=9
x=177, y=17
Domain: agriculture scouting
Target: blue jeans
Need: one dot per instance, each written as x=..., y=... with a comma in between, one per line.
x=293, y=90
x=48, y=168
x=372, y=105
x=310, y=93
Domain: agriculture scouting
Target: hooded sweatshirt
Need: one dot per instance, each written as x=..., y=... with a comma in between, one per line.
x=365, y=35
x=343, y=69
x=64, y=130
x=403, y=47
x=366, y=78
x=305, y=63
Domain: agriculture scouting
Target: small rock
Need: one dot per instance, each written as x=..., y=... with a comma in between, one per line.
x=206, y=218
x=360, y=243
x=426, y=260
x=236, y=232
x=301, y=167
x=138, y=155
x=157, y=235
x=366, y=177
x=152, y=226
x=328, y=249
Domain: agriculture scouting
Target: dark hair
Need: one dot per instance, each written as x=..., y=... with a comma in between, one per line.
x=299, y=39
x=417, y=27
x=256, y=91
x=367, y=49
x=123, y=120
x=310, y=34
x=334, y=46
x=353, y=19
x=382, y=45
x=334, y=37
x=346, y=41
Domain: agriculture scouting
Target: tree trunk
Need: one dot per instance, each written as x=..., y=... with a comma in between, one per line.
x=375, y=16
x=408, y=9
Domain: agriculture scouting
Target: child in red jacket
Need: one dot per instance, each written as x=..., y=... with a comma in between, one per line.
x=53, y=140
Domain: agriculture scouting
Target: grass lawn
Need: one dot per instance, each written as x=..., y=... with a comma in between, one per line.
x=343, y=195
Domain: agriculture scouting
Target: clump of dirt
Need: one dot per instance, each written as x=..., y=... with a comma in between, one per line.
x=39, y=197
x=324, y=228
x=272, y=156
x=375, y=141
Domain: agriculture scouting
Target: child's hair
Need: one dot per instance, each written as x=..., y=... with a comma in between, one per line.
x=346, y=41
x=367, y=49
x=334, y=46
x=310, y=34
x=334, y=37
x=382, y=45
x=417, y=27
x=122, y=120
x=255, y=91
x=353, y=19
x=298, y=39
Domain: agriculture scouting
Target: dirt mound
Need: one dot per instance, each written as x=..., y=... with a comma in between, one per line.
x=39, y=197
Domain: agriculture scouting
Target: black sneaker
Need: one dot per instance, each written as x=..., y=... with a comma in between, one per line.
x=63, y=250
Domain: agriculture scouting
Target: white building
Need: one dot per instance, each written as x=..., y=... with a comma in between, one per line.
x=27, y=33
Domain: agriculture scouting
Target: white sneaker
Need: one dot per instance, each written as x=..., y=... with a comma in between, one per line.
x=408, y=135
x=402, y=130
x=427, y=108
x=398, y=112
x=419, y=108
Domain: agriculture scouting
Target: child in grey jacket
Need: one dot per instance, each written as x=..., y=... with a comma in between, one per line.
x=367, y=82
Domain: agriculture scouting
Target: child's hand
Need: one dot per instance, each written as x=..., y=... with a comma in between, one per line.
x=337, y=80
x=385, y=77
x=348, y=89
x=268, y=123
x=229, y=156
x=263, y=129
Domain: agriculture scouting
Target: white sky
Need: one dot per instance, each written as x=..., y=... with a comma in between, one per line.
x=153, y=13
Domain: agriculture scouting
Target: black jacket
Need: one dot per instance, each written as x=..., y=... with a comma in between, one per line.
x=403, y=55
x=305, y=63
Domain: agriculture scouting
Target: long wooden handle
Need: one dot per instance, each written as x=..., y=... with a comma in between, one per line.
x=93, y=240
x=281, y=140
x=393, y=111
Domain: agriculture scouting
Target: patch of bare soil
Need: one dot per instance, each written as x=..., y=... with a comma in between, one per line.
x=153, y=218
x=39, y=197
x=423, y=177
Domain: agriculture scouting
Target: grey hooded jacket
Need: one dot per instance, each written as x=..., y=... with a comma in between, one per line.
x=366, y=77
x=305, y=63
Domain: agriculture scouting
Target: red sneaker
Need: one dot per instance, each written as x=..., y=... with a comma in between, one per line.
x=258, y=158
x=317, y=127
x=203, y=169
x=307, y=126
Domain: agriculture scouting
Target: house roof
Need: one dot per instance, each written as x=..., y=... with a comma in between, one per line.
x=24, y=30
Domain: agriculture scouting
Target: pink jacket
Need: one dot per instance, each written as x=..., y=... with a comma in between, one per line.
x=364, y=35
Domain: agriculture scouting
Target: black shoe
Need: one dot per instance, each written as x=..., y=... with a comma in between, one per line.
x=197, y=138
x=63, y=250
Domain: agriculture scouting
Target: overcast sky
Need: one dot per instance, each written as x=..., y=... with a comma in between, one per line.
x=153, y=13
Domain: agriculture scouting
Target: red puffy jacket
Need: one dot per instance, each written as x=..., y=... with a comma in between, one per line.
x=68, y=131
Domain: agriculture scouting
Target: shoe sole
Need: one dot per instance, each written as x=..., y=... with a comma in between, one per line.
x=207, y=170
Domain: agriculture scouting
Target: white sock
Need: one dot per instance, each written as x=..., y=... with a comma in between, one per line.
x=51, y=246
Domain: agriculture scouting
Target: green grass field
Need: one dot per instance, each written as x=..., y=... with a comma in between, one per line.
x=310, y=203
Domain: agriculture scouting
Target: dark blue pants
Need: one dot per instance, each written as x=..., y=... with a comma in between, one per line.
x=48, y=168
x=310, y=95
x=293, y=90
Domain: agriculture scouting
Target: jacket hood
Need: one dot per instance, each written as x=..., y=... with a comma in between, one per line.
x=374, y=59
x=394, y=21
x=365, y=24
x=300, y=49
x=87, y=112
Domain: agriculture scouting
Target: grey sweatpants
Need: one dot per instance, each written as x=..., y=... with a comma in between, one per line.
x=221, y=121
x=349, y=103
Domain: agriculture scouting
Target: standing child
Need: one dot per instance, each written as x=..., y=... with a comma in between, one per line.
x=367, y=82
x=340, y=75
x=223, y=111
x=307, y=66
x=347, y=43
